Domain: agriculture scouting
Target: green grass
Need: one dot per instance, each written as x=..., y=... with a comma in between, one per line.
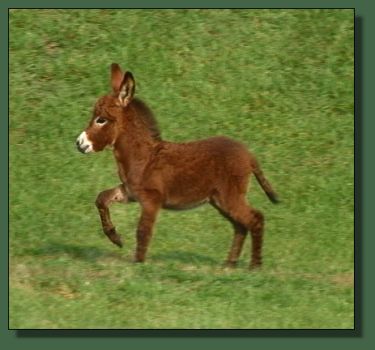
x=281, y=81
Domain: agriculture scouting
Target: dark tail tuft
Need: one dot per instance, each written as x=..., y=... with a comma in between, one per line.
x=273, y=197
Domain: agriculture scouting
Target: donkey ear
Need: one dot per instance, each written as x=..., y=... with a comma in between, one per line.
x=116, y=77
x=127, y=89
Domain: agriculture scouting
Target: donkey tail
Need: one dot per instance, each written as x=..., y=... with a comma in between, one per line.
x=263, y=182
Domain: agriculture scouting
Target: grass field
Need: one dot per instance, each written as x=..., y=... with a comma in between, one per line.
x=281, y=81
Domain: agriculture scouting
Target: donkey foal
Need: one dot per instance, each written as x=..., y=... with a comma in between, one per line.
x=160, y=174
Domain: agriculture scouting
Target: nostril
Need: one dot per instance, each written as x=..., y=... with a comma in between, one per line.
x=77, y=142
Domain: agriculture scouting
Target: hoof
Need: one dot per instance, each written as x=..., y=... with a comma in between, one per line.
x=118, y=241
x=114, y=237
x=230, y=264
x=255, y=266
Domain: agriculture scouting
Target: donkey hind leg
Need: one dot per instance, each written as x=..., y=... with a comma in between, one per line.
x=239, y=236
x=251, y=219
x=149, y=213
x=104, y=199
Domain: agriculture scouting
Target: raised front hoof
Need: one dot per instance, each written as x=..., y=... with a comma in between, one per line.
x=114, y=237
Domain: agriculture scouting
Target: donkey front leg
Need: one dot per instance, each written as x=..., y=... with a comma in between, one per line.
x=145, y=227
x=104, y=199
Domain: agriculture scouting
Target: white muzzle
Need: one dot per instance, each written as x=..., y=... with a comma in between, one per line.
x=83, y=143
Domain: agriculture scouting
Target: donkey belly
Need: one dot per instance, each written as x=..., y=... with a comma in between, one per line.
x=182, y=205
x=184, y=195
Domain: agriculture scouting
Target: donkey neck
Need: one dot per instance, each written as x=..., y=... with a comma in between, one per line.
x=133, y=149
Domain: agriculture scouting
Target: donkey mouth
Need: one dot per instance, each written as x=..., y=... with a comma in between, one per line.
x=83, y=144
x=83, y=149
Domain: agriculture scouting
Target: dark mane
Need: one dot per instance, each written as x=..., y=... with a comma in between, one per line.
x=148, y=118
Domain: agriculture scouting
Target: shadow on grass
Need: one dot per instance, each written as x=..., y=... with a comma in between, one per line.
x=185, y=258
x=94, y=254
x=86, y=253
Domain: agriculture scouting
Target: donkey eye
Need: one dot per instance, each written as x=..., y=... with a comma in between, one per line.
x=101, y=120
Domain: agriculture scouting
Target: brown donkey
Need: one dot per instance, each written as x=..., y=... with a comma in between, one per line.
x=161, y=174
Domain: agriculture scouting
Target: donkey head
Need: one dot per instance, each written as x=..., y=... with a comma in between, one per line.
x=108, y=113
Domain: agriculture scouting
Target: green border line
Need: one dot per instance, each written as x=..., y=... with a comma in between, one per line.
x=364, y=171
